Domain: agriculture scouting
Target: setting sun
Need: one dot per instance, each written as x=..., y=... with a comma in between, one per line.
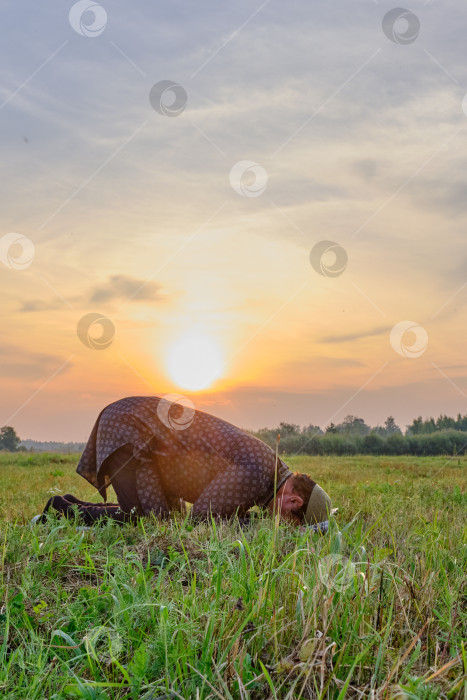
x=194, y=361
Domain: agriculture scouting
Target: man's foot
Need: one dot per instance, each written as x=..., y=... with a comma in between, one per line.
x=59, y=504
x=321, y=527
x=72, y=499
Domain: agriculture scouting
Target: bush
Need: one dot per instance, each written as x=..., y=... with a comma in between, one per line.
x=373, y=444
x=441, y=442
x=335, y=444
x=396, y=444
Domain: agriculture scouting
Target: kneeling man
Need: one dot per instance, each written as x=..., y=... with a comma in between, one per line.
x=158, y=453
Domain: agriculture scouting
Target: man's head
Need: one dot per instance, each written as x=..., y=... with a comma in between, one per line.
x=301, y=500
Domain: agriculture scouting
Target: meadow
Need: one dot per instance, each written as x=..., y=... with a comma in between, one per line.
x=377, y=608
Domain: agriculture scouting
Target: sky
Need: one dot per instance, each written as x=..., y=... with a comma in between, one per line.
x=257, y=205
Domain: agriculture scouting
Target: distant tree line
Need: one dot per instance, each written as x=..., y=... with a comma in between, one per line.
x=11, y=442
x=430, y=425
x=445, y=436
x=428, y=436
x=51, y=446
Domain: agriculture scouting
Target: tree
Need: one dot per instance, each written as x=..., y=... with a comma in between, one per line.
x=391, y=426
x=429, y=426
x=421, y=427
x=352, y=425
x=312, y=430
x=286, y=429
x=415, y=428
x=331, y=428
x=9, y=439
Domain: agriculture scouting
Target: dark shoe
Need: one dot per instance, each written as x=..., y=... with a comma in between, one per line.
x=59, y=504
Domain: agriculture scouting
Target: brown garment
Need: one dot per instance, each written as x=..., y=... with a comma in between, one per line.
x=203, y=459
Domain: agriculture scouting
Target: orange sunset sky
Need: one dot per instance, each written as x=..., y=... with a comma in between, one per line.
x=137, y=211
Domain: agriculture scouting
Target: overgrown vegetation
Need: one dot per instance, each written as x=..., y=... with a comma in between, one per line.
x=353, y=436
x=377, y=608
x=445, y=442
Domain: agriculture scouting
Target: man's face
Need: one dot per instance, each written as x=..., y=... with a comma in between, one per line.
x=287, y=502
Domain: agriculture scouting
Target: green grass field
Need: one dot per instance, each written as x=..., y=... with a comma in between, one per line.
x=375, y=609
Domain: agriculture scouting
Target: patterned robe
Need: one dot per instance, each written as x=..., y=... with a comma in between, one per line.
x=183, y=453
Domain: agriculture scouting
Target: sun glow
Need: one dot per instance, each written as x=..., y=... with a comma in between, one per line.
x=194, y=361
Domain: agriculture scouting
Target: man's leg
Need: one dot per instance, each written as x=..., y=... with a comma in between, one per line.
x=59, y=504
x=138, y=489
x=120, y=466
x=136, y=482
x=72, y=499
x=151, y=493
x=88, y=513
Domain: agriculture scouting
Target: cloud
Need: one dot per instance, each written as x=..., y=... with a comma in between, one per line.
x=367, y=168
x=18, y=363
x=445, y=196
x=116, y=288
x=340, y=362
x=122, y=287
x=288, y=190
x=349, y=337
x=254, y=407
x=8, y=349
x=30, y=370
x=462, y=366
x=34, y=305
x=322, y=362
